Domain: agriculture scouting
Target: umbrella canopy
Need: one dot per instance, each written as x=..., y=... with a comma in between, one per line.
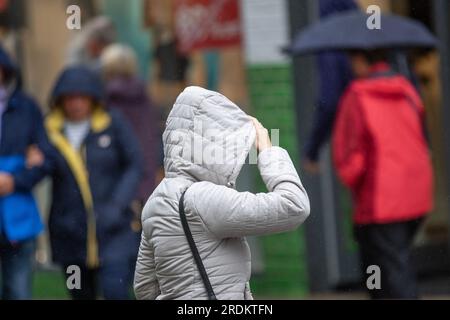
x=349, y=31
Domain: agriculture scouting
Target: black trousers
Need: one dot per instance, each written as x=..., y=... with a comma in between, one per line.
x=388, y=246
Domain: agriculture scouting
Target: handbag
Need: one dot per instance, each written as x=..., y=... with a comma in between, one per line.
x=194, y=250
x=19, y=214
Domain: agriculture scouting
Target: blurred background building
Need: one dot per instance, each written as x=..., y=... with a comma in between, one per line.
x=234, y=46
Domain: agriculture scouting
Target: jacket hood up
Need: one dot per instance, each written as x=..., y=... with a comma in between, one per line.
x=207, y=138
x=78, y=80
x=12, y=71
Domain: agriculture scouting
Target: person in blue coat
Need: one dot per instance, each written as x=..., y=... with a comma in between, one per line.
x=21, y=128
x=334, y=76
x=97, y=170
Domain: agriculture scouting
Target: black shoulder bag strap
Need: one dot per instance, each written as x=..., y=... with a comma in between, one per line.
x=194, y=250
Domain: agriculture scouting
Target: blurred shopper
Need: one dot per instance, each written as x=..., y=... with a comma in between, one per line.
x=95, y=177
x=127, y=93
x=205, y=123
x=87, y=47
x=381, y=154
x=21, y=133
x=334, y=76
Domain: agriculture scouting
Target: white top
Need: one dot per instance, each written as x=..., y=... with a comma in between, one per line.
x=76, y=132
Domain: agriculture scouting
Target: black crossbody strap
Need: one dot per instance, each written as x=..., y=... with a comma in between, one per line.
x=194, y=250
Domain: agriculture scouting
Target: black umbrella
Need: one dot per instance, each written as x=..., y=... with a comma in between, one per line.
x=350, y=31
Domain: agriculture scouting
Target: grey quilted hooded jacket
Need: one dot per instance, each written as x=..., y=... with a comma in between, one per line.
x=206, y=142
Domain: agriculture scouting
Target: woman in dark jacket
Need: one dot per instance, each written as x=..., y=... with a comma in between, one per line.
x=96, y=174
x=21, y=127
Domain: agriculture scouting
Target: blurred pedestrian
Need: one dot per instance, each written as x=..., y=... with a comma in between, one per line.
x=88, y=45
x=200, y=186
x=334, y=76
x=380, y=152
x=127, y=93
x=22, y=166
x=96, y=174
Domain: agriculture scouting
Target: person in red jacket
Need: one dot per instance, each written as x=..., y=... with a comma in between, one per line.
x=381, y=154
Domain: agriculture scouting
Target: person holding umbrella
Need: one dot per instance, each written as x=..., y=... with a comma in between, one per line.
x=380, y=152
x=380, y=149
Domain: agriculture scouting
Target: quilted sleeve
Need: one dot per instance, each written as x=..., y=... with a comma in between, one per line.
x=227, y=213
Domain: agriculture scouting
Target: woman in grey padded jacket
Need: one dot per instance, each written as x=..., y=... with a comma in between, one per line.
x=206, y=142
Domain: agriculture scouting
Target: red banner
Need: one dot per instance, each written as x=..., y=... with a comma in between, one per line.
x=4, y=5
x=207, y=24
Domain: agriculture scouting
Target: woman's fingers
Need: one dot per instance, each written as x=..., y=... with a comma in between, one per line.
x=255, y=122
x=34, y=157
x=262, y=135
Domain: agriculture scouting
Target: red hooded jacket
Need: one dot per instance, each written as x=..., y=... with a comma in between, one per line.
x=380, y=151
